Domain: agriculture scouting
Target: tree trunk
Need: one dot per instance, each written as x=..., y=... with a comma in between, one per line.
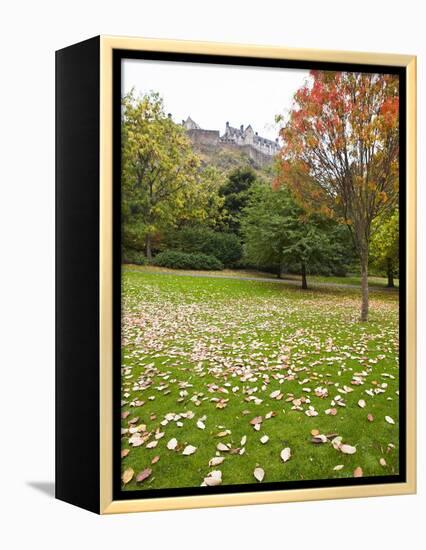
x=391, y=283
x=148, y=246
x=364, y=286
x=304, y=281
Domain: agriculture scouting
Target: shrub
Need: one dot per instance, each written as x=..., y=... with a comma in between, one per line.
x=226, y=247
x=130, y=256
x=184, y=260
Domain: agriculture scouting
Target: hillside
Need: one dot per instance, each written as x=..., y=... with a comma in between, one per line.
x=227, y=158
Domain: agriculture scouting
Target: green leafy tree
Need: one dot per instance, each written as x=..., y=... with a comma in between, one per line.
x=235, y=193
x=163, y=182
x=385, y=246
x=277, y=232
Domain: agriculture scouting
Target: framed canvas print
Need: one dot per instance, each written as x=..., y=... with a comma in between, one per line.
x=235, y=274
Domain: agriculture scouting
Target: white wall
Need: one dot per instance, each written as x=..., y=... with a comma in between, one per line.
x=30, y=32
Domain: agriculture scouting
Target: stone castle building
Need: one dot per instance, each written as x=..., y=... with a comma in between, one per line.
x=258, y=148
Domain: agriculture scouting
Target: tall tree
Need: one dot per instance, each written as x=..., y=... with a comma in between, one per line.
x=277, y=232
x=162, y=178
x=235, y=193
x=340, y=153
x=385, y=246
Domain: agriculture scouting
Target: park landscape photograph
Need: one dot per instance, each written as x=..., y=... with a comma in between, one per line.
x=259, y=276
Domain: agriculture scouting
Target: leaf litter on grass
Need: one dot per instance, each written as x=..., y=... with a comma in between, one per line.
x=201, y=355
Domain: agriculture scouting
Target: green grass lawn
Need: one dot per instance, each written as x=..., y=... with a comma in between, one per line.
x=225, y=351
x=352, y=280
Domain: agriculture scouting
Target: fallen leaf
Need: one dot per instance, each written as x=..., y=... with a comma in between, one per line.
x=259, y=473
x=361, y=403
x=143, y=475
x=285, y=454
x=201, y=425
x=264, y=439
x=152, y=444
x=172, y=444
x=370, y=417
x=315, y=432
x=124, y=453
x=347, y=449
x=155, y=459
x=336, y=442
x=338, y=467
x=389, y=420
x=127, y=475
x=214, y=478
x=382, y=462
x=222, y=447
x=358, y=472
x=320, y=438
x=256, y=420
x=189, y=450
x=215, y=461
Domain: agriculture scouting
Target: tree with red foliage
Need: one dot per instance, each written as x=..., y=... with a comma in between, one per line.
x=340, y=152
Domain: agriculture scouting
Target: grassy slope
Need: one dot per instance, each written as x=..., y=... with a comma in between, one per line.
x=197, y=331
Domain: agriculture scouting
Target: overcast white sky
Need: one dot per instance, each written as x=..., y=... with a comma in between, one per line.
x=214, y=94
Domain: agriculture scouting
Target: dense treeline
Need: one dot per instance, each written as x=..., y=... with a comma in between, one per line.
x=180, y=213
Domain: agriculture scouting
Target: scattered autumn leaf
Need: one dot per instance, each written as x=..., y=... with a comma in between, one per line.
x=189, y=450
x=358, y=472
x=144, y=474
x=172, y=444
x=127, y=475
x=259, y=473
x=285, y=454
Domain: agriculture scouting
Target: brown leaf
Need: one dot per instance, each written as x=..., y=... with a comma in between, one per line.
x=370, y=417
x=315, y=432
x=256, y=420
x=127, y=475
x=143, y=475
x=124, y=453
x=155, y=459
x=358, y=472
